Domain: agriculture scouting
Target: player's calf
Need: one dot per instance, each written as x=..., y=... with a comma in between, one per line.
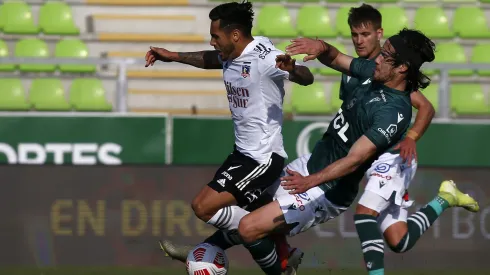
x=372, y=243
x=419, y=222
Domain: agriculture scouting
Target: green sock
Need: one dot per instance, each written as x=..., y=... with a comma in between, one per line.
x=372, y=243
x=419, y=222
x=264, y=254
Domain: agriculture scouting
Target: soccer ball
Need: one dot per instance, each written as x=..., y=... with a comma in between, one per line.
x=207, y=259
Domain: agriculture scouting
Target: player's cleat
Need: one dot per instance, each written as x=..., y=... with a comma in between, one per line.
x=176, y=252
x=282, y=249
x=454, y=197
x=294, y=260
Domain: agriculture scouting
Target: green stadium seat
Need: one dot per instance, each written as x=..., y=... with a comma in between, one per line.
x=17, y=18
x=310, y=99
x=12, y=95
x=433, y=22
x=394, y=19
x=4, y=52
x=470, y=22
x=343, y=1
x=481, y=55
x=468, y=99
x=329, y=71
x=73, y=48
x=3, y=18
x=381, y=1
x=460, y=1
x=88, y=94
x=303, y=1
x=335, y=101
x=451, y=52
x=47, y=94
x=56, y=18
x=313, y=21
x=32, y=47
x=275, y=21
x=341, y=24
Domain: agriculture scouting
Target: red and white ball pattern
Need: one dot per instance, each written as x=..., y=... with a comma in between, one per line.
x=207, y=259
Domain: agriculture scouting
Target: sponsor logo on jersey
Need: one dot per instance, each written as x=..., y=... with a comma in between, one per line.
x=252, y=195
x=387, y=136
x=77, y=153
x=228, y=176
x=375, y=174
x=262, y=50
x=237, y=97
x=392, y=129
x=382, y=168
x=381, y=184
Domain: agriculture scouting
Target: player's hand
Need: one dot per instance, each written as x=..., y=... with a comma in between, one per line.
x=295, y=182
x=408, y=150
x=311, y=47
x=155, y=54
x=285, y=62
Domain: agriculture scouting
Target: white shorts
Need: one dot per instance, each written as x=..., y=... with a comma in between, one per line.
x=308, y=209
x=388, y=181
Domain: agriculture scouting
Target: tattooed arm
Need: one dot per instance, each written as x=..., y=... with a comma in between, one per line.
x=202, y=59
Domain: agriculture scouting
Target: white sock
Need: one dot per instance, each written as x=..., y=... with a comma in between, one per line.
x=228, y=217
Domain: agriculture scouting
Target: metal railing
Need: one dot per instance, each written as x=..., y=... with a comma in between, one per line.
x=123, y=63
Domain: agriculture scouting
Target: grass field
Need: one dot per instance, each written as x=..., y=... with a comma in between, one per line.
x=166, y=271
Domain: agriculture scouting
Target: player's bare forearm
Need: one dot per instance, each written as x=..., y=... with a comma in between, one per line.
x=203, y=59
x=424, y=115
x=340, y=168
x=359, y=153
x=301, y=75
x=334, y=59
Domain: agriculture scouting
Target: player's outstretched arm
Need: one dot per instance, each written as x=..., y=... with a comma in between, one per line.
x=424, y=116
x=327, y=54
x=297, y=74
x=359, y=153
x=202, y=59
x=408, y=146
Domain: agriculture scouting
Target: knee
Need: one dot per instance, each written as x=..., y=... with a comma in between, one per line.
x=247, y=230
x=200, y=210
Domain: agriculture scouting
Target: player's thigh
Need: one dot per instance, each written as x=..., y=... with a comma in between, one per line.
x=393, y=224
x=208, y=201
x=261, y=222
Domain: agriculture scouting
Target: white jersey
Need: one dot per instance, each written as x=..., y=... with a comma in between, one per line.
x=255, y=89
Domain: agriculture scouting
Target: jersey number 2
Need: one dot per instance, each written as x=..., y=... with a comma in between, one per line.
x=339, y=123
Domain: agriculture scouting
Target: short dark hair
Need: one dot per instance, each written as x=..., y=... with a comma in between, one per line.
x=416, y=49
x=364, y=15
x=234, y=15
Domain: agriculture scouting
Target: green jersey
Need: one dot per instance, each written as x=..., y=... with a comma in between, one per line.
x=380, y=113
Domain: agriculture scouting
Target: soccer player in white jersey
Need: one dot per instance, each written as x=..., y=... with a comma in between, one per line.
x=253, y=72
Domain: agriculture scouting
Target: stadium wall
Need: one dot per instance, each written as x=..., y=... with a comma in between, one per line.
x=101, y=190
x=129, y=139
x=114, y=216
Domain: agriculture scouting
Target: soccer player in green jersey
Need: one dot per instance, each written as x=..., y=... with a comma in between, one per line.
x=372, y=120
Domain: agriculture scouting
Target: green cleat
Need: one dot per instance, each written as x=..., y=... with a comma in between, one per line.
x=454, y=197
x=176, y=252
